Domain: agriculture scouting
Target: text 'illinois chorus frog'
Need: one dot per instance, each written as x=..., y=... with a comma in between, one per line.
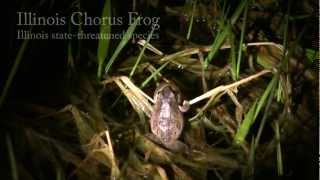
x=166, y=119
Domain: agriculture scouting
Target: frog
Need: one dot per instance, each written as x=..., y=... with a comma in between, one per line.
x=166, y=120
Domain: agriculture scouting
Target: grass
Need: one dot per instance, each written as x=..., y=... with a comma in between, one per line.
x=225, y=31
x=252, y=114
x=155, y=73
x=219, y=40
x=241, y=45
x=236, y=88
x=103, y=45
x=13, y=71
x=279, y=152
x=191, y=20
x=11, y=155
x=123, y=42
x=141, y=53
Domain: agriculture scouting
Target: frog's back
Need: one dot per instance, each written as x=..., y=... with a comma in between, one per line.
x=167, y=120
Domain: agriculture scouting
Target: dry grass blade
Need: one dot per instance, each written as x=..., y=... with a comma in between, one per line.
x=239, y=108
x=179, y=173
x=223, y=88
x=85, y=131
x=211, y=157
x=103, y=152
x=152, y=150
x=162, y=173
x=180, y=54
x=160, y=155
x=139, y=165
x=137, y=104
x=115, y=172
x=137, y=98
x=129, y=83
x=143, y=42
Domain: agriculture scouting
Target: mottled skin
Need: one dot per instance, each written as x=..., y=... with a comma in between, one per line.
x=166, y=119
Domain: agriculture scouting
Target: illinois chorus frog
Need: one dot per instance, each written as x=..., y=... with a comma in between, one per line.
x=166, y=119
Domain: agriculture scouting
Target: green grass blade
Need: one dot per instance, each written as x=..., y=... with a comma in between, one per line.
x=85, y=130
x=240, y=48
x=223, y=33
x=280, y=91
x=251, y=116
x=13, y=165
x=273, y=83
x=285, y=59
x=103, y=44
x=245, y=125
x=191, y=20
x=238, y=11
x=121, y=45
x=141, y=53
x=265, y=95
x=59, y=174
x=312, y=55
x=70, y=55
x=233, y=61
x=225, y=30
x=251, y=158
x=279, y=152
x=13, y=71
x=144, y=83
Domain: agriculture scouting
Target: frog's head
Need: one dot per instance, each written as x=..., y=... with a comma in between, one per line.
x=168, y=91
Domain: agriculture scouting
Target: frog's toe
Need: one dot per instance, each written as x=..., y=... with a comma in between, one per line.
x=185, y=106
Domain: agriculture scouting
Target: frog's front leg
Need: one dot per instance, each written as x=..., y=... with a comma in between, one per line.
x=185, y=106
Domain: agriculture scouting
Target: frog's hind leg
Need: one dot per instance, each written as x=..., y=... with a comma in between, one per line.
x=153, y=138
x=177, y=146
